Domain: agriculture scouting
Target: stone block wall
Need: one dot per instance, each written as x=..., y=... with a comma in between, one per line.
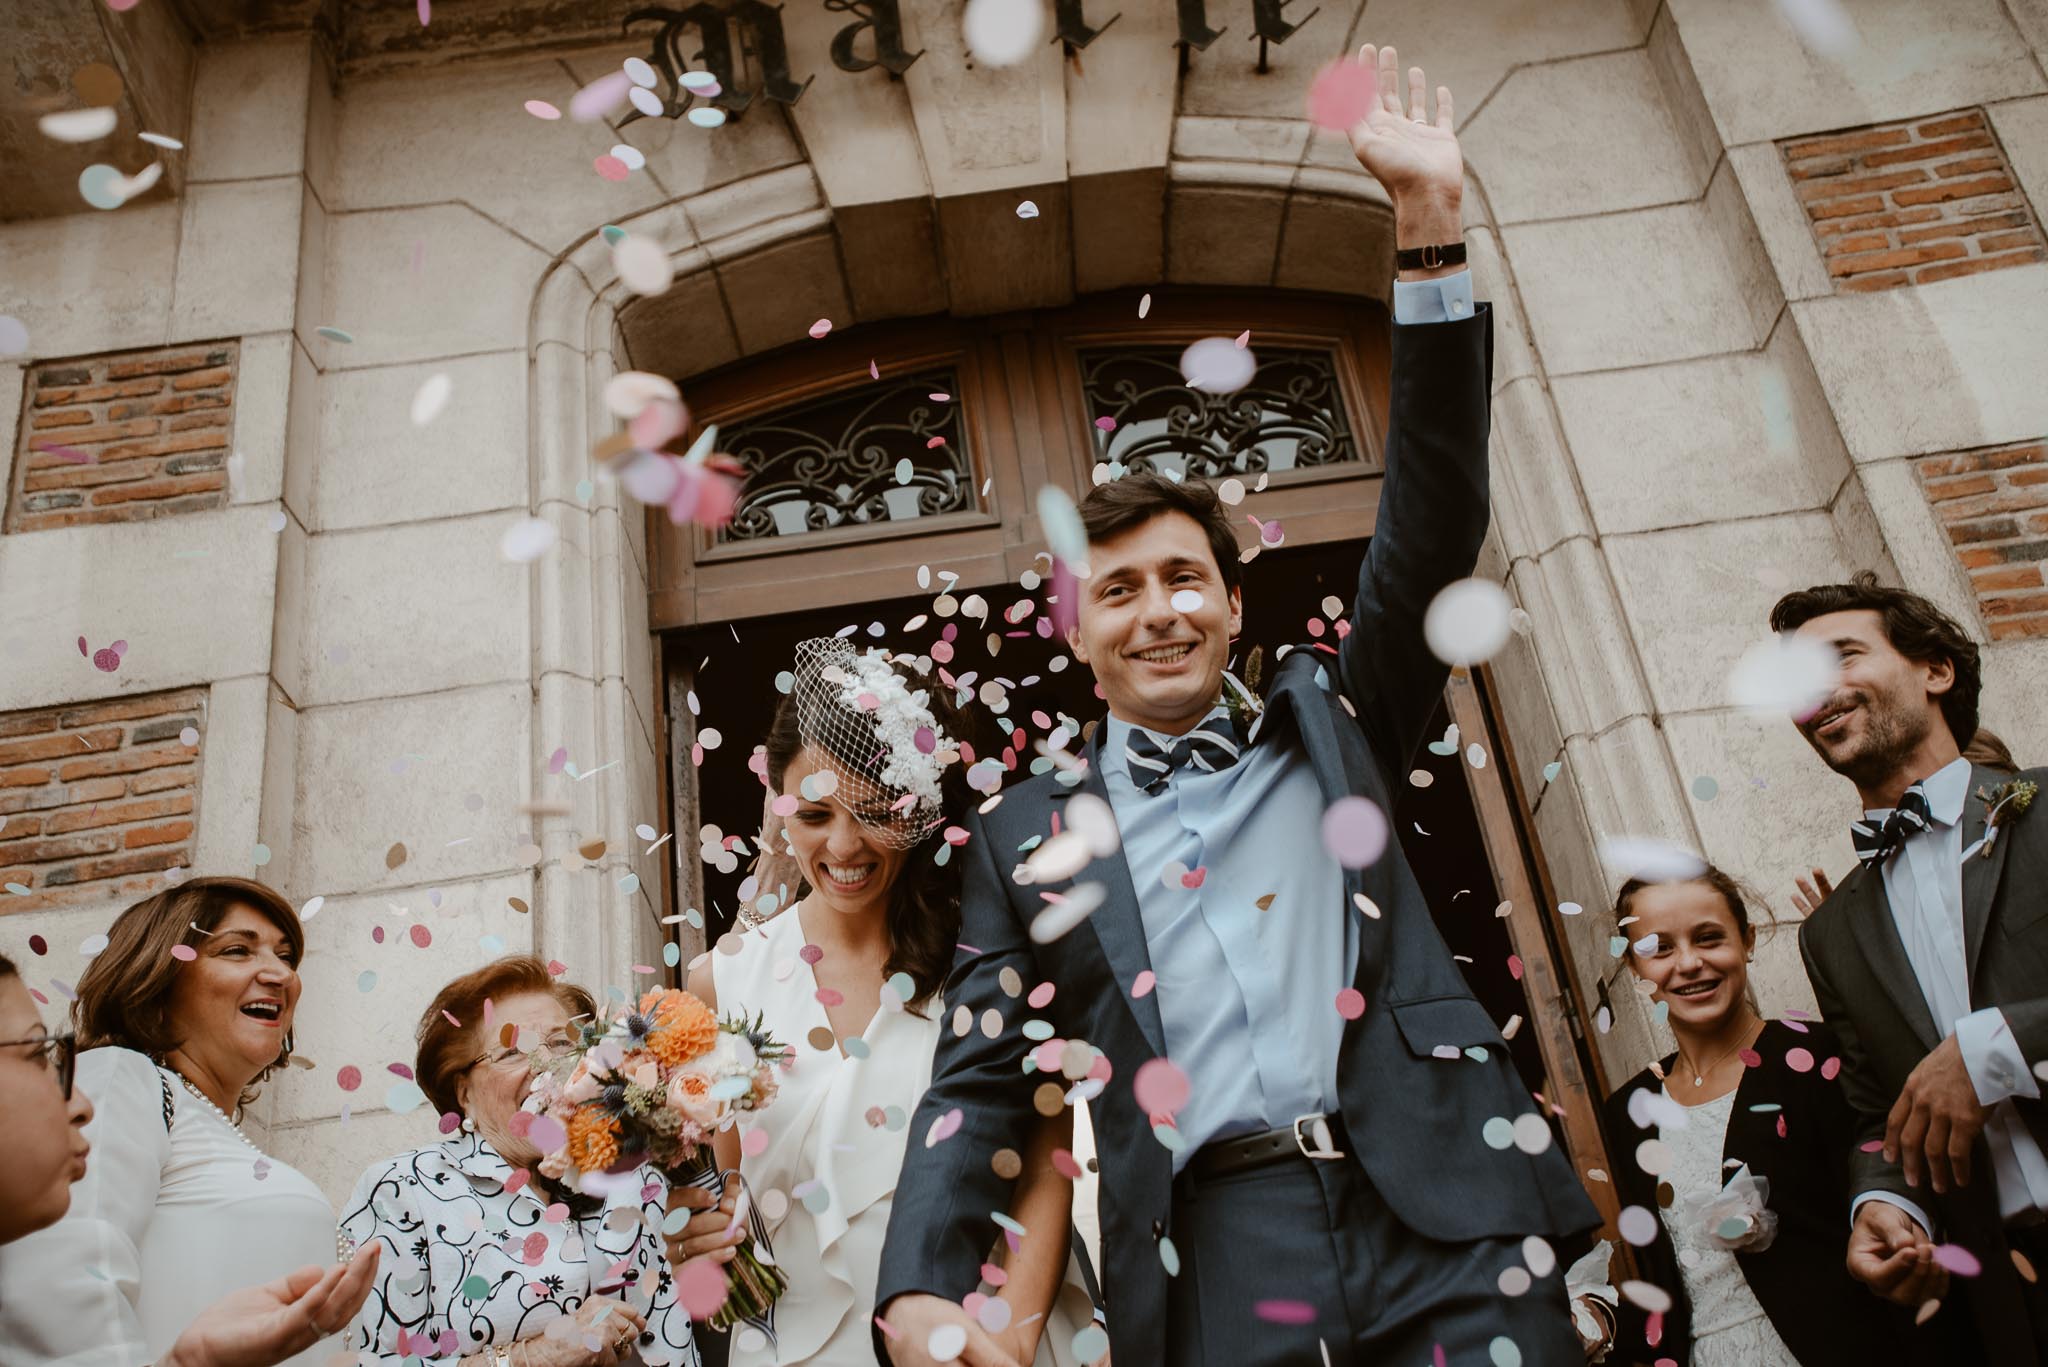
x=1913, y=202
x=123, y=437
x=1993, y=503
x=98, y=800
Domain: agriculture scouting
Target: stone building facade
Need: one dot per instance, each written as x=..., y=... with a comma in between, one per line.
x=1763, y=317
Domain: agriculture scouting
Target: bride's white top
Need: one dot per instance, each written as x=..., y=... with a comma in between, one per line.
x=164, y=1223
x=836, y=1131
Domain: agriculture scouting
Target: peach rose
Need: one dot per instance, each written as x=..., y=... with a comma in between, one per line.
x=689, y=1094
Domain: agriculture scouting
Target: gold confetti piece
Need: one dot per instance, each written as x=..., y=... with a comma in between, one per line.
x=395, y=856
x=1049, y=1100
x=549, y=808
x=1007, y=1164
x=518, y=905
x=821, y=1038
x=1266, y=903
x=593, y=850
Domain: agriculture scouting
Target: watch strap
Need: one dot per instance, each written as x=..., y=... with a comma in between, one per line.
x=1431, y=257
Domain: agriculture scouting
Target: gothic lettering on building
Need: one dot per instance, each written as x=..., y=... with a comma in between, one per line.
x=883, y=21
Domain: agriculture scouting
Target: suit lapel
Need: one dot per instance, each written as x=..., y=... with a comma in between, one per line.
x=1868, y=914
x=1981, y=867
x=1117, y=923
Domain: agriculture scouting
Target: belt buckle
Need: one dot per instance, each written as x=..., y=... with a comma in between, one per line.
x=1312, y=1136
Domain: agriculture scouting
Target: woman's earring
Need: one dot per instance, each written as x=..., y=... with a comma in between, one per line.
x=468, y=1125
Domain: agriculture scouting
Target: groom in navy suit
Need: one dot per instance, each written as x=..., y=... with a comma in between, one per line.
x=1355, y=1162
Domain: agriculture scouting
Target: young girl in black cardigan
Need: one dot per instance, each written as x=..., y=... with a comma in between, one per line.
x=1759, y=1283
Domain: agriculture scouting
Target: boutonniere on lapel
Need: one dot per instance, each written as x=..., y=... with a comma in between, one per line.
x=1241, y=697
x=2007, y=803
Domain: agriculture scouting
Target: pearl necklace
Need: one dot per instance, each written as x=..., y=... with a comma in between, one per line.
x=207, y=1102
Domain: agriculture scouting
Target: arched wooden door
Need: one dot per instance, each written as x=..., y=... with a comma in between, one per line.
x=892, y=479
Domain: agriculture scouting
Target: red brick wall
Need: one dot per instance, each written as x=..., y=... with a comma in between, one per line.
x=1913, y=202
x=1994, y=504
x=97, y=799
x=124, y=437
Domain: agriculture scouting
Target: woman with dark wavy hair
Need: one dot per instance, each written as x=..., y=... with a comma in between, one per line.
x=866, y=765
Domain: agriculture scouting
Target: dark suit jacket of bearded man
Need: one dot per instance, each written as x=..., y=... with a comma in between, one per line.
x=1868, y=994
x=1416, y=1121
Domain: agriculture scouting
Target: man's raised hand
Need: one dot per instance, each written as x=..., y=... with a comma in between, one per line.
x=1414, y=157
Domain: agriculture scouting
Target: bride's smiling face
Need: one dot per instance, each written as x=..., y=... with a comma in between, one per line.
x=848, y=869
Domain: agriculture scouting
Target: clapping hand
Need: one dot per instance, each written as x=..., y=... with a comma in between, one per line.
x=1892, y=1255
x=261, y=1325
x=611, y=1324
x=1414, y=157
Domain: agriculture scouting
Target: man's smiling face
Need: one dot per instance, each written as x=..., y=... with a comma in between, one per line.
x=1155, y=622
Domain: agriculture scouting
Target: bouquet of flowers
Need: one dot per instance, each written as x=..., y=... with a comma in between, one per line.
x=653, y=1084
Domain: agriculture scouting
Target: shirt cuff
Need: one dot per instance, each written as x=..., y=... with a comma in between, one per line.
x=1997, y=1068
x=1440, y=300
x=1891, y=1199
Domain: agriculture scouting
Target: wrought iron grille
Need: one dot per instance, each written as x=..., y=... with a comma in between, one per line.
x=876, y=453
x=1290, y=417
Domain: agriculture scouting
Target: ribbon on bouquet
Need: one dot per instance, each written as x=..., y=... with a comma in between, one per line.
x=708, y=1177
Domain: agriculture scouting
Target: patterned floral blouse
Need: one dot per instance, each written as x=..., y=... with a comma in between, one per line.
x=474, y=1258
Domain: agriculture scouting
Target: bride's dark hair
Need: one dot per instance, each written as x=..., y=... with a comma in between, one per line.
x=923, y=920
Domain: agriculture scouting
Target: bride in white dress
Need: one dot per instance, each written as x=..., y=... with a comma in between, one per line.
x=863, y=759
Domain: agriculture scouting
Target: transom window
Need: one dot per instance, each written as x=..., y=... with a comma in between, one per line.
x=1290, y=417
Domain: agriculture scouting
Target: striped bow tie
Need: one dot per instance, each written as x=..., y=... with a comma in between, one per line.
x=1875, y=844
x=1211, y=746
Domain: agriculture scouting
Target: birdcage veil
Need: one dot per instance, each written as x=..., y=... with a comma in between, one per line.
x=883, y=750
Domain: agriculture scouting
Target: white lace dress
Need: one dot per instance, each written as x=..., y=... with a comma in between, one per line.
x=835, y=1138
x=1729, y=1328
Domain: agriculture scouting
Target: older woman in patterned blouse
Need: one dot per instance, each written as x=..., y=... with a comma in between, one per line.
x=484, y=1261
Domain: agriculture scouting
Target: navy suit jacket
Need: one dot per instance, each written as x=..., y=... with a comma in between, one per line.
x=1415, y=1121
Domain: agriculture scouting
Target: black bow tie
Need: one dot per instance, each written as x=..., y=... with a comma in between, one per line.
x=1875, y=844
x=1211, y=746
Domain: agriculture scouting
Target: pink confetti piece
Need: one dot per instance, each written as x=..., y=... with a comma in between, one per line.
x=1515, y=967
x=1105, y=424
x=534, y=1248
x=1831, y=1069
x=555, y=1213
x=1355, y=832
x=1871, y=1147
x=874, y=371
x=600, y=97
x=944, y=1128
x=1160, y=1087
x=1285, y=1312
x=184, y=954
x=546, y=1133
x=450, y=1017
x=541, y=109
x=887, y=1328
x=1342, y=95
x=829, y=997
x=754, y=1143
x=1194, y=878
x=823, y=326
x=611, y=168
x=1040, y=995
x=1799, y=1060
x=1750, y=1058
x=349, y=1077
x=426, y=11
x=421, y=936
x=1143, y=984
x=1350, y=1003
x=1958, y=1259
x=1781, y=1127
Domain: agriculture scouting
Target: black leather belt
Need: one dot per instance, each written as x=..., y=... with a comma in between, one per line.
x=1312, y=1138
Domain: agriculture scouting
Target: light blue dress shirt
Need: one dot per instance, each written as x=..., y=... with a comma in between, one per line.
x=1248, y=998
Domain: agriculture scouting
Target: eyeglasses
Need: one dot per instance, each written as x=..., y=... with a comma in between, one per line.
x=62, y=1048
x=555, y=1046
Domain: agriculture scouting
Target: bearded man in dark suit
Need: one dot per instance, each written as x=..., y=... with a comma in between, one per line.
x=1930, y=960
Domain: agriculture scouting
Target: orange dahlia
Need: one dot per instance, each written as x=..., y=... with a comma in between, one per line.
x=683, y=1027
x=593, y=1140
